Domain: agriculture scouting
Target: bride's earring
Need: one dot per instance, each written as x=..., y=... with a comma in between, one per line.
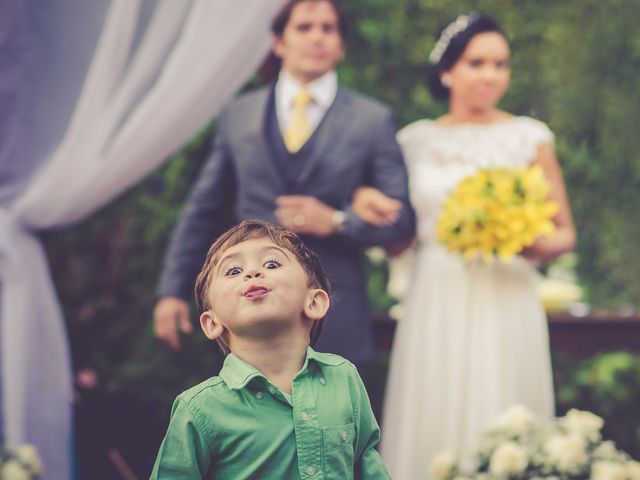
x=445, y=79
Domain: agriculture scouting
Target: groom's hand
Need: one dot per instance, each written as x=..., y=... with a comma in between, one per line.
x=170, y=315
x=305, y=215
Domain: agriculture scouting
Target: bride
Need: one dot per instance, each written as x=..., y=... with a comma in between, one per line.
x=473, y=339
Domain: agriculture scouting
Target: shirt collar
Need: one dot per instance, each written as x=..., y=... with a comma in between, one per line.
x=322, y=89
x=323, y=358
x=237, y=373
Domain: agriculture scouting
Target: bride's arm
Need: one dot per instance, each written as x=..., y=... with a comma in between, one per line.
x=564, y=239
x=378, y=209
x=374, y=207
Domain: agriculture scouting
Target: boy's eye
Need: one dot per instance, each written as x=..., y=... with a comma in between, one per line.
x=271, y=264
x=232, y=271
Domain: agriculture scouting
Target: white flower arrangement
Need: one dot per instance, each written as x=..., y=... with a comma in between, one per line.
x=521, y=446
x=443, y=465
x=23, y=463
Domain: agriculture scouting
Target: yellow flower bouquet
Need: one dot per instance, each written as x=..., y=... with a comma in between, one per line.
x=497, y=212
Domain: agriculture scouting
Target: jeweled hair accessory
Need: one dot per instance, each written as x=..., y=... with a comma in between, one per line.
x=453, y=29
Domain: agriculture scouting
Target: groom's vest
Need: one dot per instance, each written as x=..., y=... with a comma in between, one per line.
x=291, y=164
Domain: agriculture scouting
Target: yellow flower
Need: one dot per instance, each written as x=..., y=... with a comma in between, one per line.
x=497, y=212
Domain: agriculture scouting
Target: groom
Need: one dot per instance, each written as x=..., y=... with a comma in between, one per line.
x=293, y=154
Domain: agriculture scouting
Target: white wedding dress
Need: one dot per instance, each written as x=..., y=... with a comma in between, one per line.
x=472, y=338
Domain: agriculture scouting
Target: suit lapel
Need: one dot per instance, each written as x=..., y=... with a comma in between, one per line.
x=328, y=134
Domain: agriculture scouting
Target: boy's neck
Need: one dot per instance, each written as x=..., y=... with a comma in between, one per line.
x=279, y=361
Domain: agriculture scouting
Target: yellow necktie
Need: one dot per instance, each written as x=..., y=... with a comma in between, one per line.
x=299, y=129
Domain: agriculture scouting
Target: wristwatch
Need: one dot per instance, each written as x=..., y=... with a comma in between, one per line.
x=339, y=219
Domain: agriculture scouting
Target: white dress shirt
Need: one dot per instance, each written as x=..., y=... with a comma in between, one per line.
x=323, y=90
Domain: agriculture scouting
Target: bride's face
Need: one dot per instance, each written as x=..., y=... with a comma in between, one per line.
x=481, y=75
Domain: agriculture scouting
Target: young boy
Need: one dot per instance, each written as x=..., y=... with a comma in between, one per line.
x=278, y=409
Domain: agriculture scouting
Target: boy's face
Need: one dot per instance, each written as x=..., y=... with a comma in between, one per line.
x=258, y=289
x=311, y=43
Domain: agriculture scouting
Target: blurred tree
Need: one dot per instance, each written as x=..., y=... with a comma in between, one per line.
x=594, y=73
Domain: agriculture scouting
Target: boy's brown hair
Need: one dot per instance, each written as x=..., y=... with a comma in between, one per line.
x=255, y=229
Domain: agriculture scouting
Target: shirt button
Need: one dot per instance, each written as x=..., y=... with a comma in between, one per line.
x=305, y=418
x=259, y=395
x=311, y=470
x=272, y=390
x=322, y=381
x=343, y=435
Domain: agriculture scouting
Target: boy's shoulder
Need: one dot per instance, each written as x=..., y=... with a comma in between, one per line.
x=334, y=361
x=204, y=391
x=340, y=373
x=330, y=359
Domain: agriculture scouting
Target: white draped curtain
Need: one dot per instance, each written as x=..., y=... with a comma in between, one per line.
x=159, y=70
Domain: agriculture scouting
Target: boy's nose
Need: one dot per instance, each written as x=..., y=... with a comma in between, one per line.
x=253, y=273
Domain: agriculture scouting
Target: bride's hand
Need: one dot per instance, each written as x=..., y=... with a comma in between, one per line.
x=374, y=207
x=545, y=249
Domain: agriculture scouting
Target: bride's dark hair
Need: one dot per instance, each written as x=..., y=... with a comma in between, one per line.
x=453, y=50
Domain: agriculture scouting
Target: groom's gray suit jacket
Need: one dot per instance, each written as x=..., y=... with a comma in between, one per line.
x=249, y=167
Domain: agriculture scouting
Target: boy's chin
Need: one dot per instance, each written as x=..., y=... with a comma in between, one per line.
x=267, y=327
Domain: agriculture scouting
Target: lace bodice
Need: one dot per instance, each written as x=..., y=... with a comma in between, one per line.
x=439, y=156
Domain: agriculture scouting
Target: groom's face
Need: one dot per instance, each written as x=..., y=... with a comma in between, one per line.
x=311, y=43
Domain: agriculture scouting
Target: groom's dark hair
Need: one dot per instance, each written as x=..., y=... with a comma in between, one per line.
x=282, y=18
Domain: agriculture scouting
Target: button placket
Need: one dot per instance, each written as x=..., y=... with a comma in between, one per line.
x=307, y=431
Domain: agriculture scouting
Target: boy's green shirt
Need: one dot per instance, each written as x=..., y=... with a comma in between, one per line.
x=240, y=426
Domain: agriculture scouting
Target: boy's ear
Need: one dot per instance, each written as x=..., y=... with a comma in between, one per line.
x=317, y=304
x=211, y=327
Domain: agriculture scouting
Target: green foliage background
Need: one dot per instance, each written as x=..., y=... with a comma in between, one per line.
x=576, y=65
